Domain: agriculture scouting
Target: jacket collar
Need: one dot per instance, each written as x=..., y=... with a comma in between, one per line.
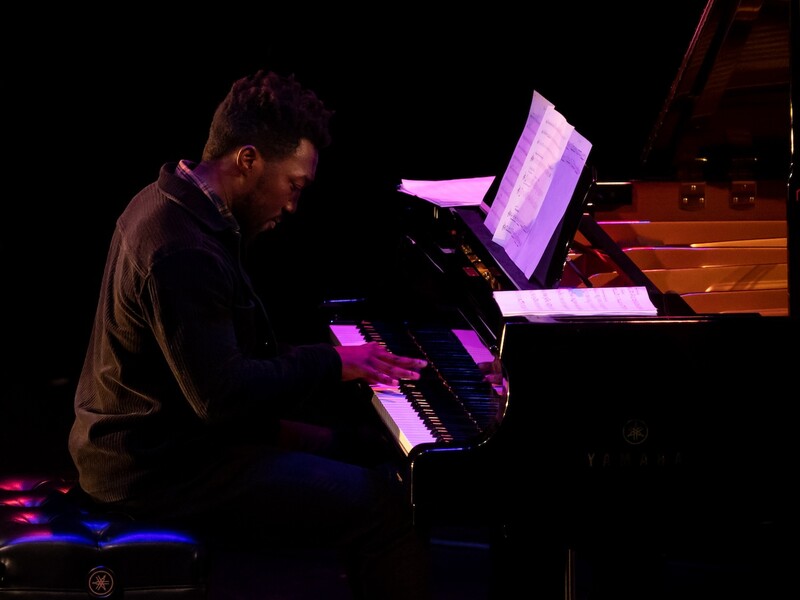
x=192, y=198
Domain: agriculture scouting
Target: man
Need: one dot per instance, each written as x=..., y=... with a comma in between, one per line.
x=183, y=406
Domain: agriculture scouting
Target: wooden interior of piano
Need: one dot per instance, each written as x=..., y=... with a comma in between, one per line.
x=728, y=261
x=707, y=219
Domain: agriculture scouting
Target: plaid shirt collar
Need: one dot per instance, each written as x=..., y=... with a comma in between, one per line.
x=185, y=169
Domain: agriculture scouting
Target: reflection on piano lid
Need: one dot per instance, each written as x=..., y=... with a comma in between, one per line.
x=727, y=114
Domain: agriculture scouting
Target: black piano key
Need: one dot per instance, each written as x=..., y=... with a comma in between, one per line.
x=452, y=397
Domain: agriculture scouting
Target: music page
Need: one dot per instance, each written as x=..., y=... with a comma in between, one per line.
x=517, y=164
x=448, y=192
x=538, y=185
x=529, y=242
x=534, y=179
x=631, y=300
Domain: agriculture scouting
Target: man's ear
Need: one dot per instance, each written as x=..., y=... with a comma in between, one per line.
x=246, y=158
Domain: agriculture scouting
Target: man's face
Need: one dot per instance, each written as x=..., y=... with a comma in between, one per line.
x=276, y=189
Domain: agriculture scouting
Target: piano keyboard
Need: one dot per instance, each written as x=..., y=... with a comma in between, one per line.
x=449, y=403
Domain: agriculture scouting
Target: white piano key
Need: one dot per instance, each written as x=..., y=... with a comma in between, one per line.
x=400, y=417
x=394, y=408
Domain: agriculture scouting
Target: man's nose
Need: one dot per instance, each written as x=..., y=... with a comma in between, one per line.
x=291, y=206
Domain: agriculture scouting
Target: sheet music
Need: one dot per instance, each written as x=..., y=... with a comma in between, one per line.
x=517, y=163
x=449, y=192
x=632, y=300
x=537, y=186
x=528, y=244
x=530, y=188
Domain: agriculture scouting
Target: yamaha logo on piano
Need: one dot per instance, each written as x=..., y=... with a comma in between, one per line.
x=634, y=432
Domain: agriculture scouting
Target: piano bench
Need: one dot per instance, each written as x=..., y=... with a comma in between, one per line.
x=51, y=546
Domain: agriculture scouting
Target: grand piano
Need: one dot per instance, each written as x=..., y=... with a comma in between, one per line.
x=606, y=456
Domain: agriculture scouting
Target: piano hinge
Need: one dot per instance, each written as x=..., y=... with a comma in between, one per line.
x=743, y=195
x=692, y=196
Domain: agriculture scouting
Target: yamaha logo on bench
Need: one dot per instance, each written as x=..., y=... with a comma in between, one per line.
x=101, y=582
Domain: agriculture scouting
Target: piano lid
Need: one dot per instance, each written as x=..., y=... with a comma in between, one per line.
x=727, y=115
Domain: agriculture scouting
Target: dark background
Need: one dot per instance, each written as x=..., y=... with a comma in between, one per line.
x=96, y=102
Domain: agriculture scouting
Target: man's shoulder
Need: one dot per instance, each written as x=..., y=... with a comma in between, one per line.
x=150, y=211
x=172, y=202
x=156, y=226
